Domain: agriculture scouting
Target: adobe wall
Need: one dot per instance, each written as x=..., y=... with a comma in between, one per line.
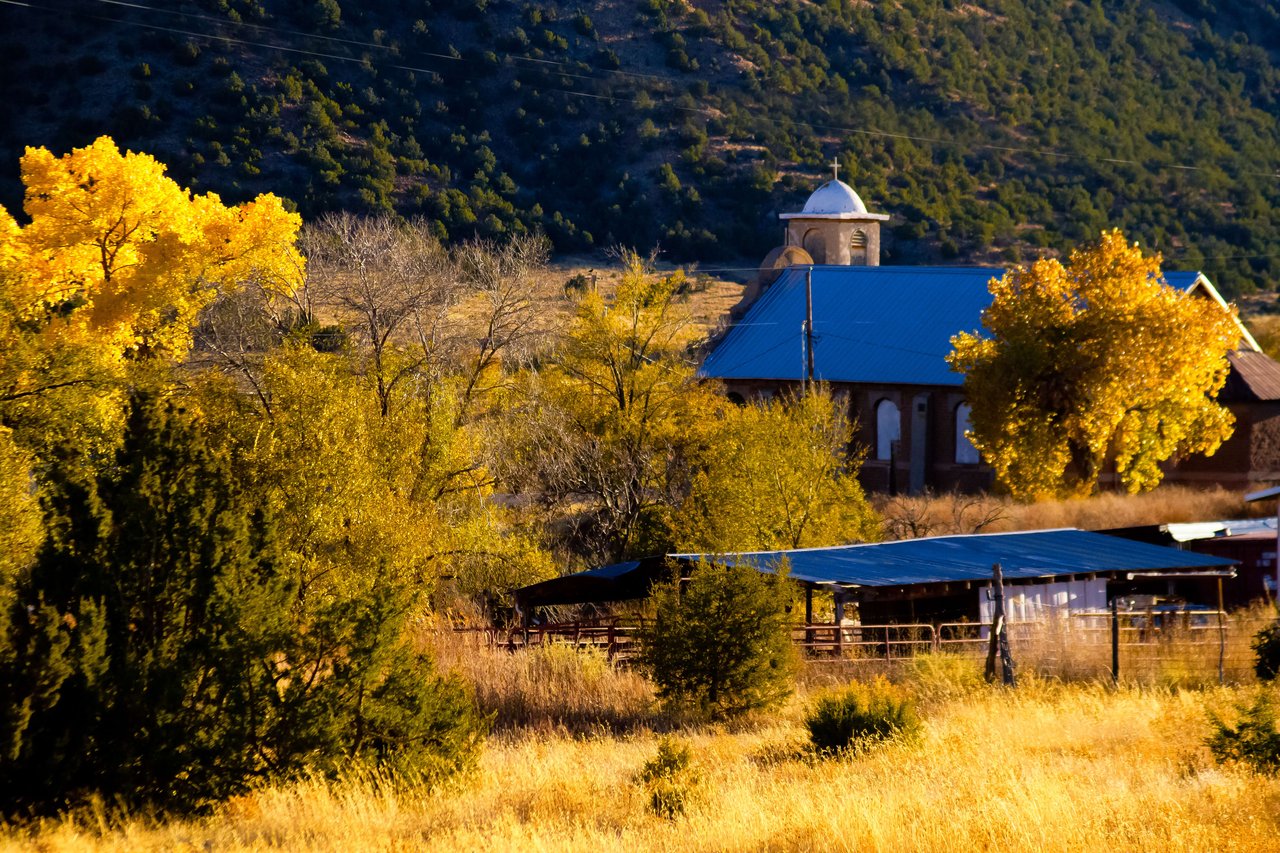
x=1249, y=458
x=941, y=472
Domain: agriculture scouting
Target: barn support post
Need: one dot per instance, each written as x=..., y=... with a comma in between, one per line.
x=1222, y=638
x=526, y=616
x=839, y=620
x=808, y=619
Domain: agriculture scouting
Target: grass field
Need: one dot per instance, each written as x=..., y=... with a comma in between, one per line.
x=1047, y=767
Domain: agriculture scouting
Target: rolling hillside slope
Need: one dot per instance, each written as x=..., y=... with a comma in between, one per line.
x=992, y=131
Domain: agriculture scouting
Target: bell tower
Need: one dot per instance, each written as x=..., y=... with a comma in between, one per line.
x=835, y=227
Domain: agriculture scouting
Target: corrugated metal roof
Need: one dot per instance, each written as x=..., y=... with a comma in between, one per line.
x=1181, y=279
x=884, y=325
x=873, y=324
x=942, y=559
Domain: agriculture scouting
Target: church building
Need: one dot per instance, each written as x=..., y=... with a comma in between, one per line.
x=823, y=306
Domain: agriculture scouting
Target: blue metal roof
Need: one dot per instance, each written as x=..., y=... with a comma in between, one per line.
x=884, y=325
x=614, y=570
x=940, y=559
x=1181, y=280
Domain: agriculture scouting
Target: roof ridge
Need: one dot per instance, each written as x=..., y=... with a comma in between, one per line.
x=853, y=545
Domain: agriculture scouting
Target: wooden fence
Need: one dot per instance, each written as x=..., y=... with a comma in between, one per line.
x=1196, y=646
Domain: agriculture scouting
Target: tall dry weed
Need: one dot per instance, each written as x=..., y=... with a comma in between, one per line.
x=929, y=514
x=553, y=686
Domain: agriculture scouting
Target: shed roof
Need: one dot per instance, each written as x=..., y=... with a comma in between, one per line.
x=893, y=326
x=939, y=559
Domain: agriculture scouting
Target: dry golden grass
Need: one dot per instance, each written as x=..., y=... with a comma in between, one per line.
x=708, y=300
x=1266, y=331
x=939, y=514
x=1048, y=767
x=552, y=687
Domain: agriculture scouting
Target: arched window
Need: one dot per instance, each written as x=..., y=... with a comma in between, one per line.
x=816, y=245
x=966, y=453
x=888, y=428
x=859, y=240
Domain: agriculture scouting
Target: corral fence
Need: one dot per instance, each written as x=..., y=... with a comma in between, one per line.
x=1169, y=648
x=1161, y=648
x=618, y=637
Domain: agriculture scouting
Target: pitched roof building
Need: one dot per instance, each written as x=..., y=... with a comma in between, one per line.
x=880, y=337
x=935, y=579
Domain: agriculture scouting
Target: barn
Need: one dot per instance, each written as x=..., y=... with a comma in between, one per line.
x=933, y=580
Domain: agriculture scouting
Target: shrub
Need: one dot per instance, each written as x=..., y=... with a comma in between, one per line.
x=1266, y=645
x=860, y=715
x=1251, y=739
x=722, y=640
x=152, y=653
x=577, y=285
x=669, y=780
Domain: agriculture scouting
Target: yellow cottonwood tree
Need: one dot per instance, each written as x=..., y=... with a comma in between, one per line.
x=780, y=473
x=643, y=456
x=120, y=252
x=619, y=418
x=1095, y=360
x=361, y=497
x=111, y=269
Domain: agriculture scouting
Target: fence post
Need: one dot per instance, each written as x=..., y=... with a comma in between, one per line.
x=1115, y=642
x=1222, y=638
x=999, y=633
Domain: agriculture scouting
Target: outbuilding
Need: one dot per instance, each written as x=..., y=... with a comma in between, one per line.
x=940, y=579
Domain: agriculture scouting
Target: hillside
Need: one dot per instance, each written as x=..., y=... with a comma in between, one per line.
x=992, y=132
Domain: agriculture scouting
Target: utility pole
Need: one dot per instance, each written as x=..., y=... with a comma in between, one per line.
x=808, y=329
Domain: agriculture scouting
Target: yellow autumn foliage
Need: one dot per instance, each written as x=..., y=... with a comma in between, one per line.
x=117, y=252
x=1095, y=362
x=780, y=473
x=108, y=277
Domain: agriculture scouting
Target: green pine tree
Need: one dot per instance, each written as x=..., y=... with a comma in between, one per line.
x=721, y=641
x=143, y=647
x=158, y=655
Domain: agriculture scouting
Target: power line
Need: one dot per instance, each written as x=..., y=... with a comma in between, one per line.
x=704, y=111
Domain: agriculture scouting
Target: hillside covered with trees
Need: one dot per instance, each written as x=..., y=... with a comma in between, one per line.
x=991, y=132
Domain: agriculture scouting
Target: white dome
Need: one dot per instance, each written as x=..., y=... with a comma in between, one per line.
x=834, y=197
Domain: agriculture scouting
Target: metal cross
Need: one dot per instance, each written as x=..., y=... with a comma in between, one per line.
x=835, y=169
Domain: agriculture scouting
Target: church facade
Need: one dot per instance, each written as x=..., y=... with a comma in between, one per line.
x=822, y=306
